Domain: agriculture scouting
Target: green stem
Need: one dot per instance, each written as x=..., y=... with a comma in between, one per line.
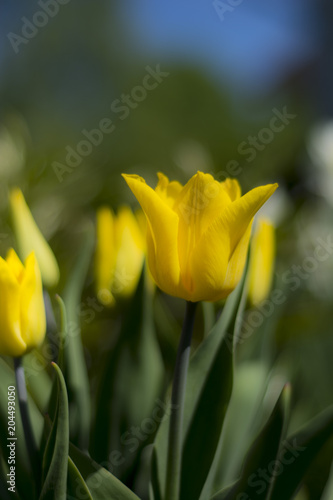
x=26, y=423
x=177, y=406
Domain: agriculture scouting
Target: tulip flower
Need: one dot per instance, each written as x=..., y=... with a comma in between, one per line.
x=197, y=234
x=119, y=254
x=261, y=261
x=29, y=238
x=22, y=313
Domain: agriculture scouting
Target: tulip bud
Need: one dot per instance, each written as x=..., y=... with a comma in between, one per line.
x=29, y=238
x=22, y=312
x=119, y=254
x=261, y=264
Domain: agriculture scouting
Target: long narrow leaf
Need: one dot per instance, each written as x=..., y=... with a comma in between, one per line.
x=55, y=461
x=130, y=386
x=76, y=371
x=258, y=473
x=299, y=451
x=101, y=484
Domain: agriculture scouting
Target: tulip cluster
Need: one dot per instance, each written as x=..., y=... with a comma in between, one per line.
x=196, y=238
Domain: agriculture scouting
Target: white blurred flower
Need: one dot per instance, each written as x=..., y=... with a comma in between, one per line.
x=277, y=208
x=12, y=148
x=320, y=148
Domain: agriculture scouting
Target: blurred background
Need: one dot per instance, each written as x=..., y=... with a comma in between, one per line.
x=89, y=90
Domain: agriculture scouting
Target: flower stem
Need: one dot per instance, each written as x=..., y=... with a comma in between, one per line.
x=26, y=423
x=177, y=406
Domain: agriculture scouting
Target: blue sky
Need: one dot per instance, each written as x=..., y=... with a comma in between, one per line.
x=252, y=48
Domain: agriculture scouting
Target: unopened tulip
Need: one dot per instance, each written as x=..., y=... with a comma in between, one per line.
x=30, y=239
x=119, y=253
x=261, y=265
x=22, y=313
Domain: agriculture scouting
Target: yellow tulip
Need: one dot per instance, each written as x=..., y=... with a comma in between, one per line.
x=22, y=313
x=261, y=261
x=119, y=253
x=197, y=234
x=30, y=239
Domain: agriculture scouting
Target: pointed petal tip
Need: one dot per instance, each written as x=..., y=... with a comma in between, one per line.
x=11, y=252
x=133, y=176
x=15, y=193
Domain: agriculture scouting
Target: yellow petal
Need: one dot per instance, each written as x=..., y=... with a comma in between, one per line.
x=105, y=255
x=236, y=263
x=233, y=188
x=142, y=222
x=162, y=235
x=238, y=215
x=11, y=341
x=219, y=256
x=33, y=320
x=130, y=252
x=200, y=202
x=261, y=261
x=216, y=273
x=208, y=266
x=29, y=238
x=167, y=190
x=15, y=264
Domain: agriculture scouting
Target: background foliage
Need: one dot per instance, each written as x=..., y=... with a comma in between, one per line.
x=225, y=78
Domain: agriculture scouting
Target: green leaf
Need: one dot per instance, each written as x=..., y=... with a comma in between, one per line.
x=208, y=418
x=155, y=491
x=208, y=390
x=328, y=493
x=101, y=483
x=38, y=380
x=209, y=316
x=53, y=400
x=63, y=333
x=24, y=480
x=55, y=461
x=76, y=486
x=76, y=371
x=301, y=448
x=225, y=493
x=130, y=385
x=258, y=473
x=243, y=420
